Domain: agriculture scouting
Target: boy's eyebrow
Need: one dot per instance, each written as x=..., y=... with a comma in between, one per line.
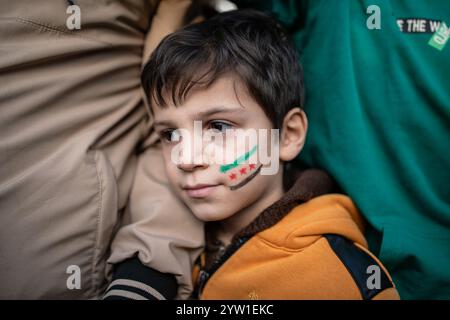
x=218, y=109
x=201, y=114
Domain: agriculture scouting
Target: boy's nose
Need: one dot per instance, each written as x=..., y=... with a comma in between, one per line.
x=192, y=155
x=192, y=166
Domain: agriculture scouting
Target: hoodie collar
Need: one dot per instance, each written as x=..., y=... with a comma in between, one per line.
x=310, y=183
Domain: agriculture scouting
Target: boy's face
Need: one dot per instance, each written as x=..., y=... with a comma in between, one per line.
x=218, y=174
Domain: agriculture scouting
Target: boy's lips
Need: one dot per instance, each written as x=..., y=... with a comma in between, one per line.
x=200, y=190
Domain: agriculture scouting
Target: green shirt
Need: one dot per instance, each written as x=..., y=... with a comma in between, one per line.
x=378, y=103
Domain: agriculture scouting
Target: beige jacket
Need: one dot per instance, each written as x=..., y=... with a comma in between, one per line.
x=79, y=181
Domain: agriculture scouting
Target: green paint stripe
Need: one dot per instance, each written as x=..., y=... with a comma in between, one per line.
x=238, y=161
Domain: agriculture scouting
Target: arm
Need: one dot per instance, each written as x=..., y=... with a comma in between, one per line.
x=168, y=18
x=157, y=228
x=160, y=239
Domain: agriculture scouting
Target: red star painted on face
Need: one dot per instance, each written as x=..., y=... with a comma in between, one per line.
x=251, y=166
x=232, y=176
x=243, y=171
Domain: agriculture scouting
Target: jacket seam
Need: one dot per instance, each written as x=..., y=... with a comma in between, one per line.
x=43, y=26
x=97, y=233
x=291, y=234
x=274, y=246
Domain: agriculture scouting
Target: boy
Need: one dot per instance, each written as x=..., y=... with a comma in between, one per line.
x=227, y=78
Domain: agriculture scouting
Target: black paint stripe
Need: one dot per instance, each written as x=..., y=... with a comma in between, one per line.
x=246, y=180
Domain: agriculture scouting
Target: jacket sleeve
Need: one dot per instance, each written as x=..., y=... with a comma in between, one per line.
x=157, y=228
x=159, y=239
x=134, y=281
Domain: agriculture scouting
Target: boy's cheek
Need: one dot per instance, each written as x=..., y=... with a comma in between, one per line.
x=171, y=172
x=169, y=161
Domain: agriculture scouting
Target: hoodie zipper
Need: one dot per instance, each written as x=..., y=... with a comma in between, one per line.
x=205, y=275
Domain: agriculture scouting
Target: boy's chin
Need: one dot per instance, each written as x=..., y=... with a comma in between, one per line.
x=210, y=214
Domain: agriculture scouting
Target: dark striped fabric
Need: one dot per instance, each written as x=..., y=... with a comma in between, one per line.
x=134, y=281
x=357, y=262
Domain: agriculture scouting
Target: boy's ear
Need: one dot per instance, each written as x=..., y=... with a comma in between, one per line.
x=293, y=134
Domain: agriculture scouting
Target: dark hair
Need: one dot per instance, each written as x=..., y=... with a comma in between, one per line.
x=245, y=43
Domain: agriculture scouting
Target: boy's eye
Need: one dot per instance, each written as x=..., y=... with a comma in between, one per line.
x=220, y=126
x=170, y=135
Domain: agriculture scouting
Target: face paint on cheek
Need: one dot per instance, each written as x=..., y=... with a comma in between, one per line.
x=238, y=161
x=243, y=171
x=234, y=175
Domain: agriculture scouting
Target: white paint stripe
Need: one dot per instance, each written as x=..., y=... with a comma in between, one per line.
x=126, y=294
x=139, y=285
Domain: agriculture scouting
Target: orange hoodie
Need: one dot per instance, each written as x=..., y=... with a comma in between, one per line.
x=316, y=251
